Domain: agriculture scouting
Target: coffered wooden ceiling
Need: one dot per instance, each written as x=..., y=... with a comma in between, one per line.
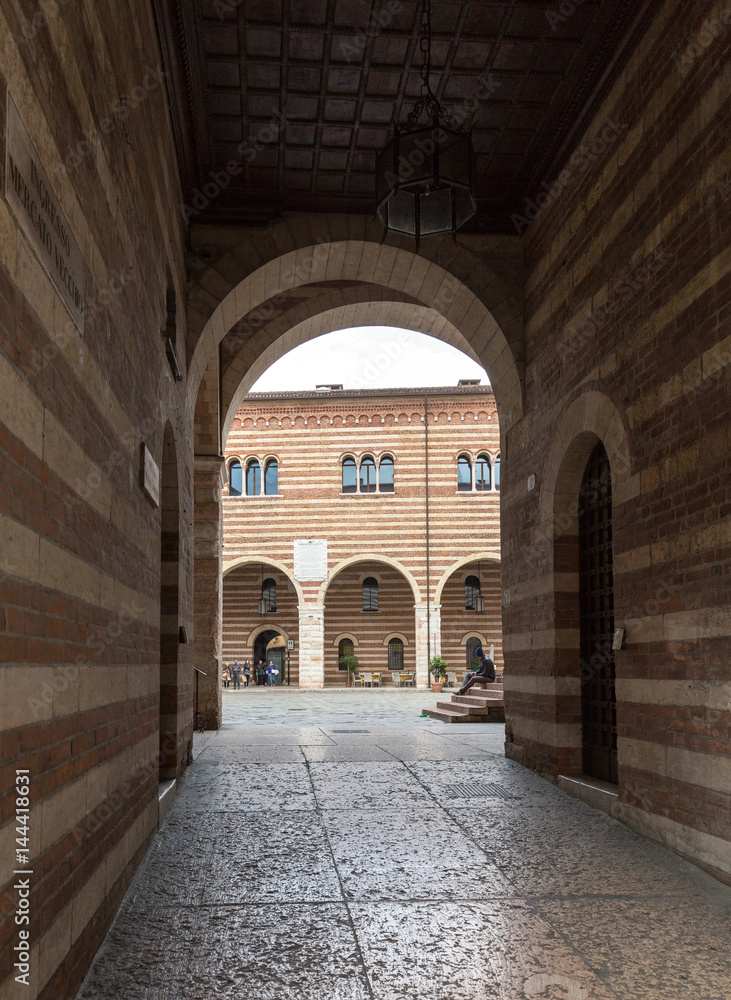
x=313, y=88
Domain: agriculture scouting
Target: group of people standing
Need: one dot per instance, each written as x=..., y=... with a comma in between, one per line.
x=265, y=673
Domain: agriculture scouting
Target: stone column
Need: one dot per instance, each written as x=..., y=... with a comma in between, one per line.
x=312, y=645
x=208, y=584
x=422, y=644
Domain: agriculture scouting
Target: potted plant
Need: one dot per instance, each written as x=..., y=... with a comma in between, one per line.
x=438, y=668
x=350, y=662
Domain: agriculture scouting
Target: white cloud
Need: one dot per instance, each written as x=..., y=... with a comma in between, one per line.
x=370, y=357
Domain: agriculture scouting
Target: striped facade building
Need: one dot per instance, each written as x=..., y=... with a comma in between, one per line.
x=365, y=522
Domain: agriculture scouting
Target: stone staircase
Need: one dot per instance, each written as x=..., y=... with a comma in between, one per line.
x=483, y=703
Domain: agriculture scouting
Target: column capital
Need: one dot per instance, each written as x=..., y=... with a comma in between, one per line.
x=210, y=465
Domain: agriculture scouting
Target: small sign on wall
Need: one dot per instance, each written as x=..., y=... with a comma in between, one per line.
x=34, y=204
x=150, y=475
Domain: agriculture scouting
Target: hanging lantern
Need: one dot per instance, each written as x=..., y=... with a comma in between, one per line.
x=425, y=176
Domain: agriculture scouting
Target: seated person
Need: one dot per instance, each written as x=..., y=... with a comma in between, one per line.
x=485, y=671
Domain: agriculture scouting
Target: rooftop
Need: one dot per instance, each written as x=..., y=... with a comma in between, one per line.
x=319, y=393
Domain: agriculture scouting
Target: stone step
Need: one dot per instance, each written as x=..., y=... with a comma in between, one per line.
x=476, y=699
x=443, y=715
x=489, y=686
x=451, y=706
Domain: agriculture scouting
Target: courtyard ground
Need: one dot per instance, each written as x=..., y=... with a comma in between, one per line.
x=332, y=845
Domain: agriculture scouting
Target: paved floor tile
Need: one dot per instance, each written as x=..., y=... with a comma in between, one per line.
x=367, y=785
x=410, y=854
x=469, y=951
x=669, y=949
x=302, y=860
x=239, y=787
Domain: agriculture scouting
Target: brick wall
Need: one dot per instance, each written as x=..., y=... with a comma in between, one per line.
x=309, y=436
x=80, y=591
x=628, y=341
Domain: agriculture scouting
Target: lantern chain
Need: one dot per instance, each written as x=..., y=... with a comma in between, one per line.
x=428, y=100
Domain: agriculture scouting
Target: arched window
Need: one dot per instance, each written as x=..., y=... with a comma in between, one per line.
x=271, y=477
x=472, y=644
x=464, y=473
x=345, y=648
x=235, y=478
x=269, y=594
x=395, y=654
x=497, y=471
x=367, y=475
x=471, y=593
x=370, y=594
x=482, y=472
x=350, y=476
x=385, y=475
x=253, y=479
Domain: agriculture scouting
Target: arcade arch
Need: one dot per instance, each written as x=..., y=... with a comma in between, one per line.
x=270, y=291
x=345, y=616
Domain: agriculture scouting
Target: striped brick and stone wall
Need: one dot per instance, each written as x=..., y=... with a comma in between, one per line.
x=368, y=534
x=628, y=341
x=96, y=689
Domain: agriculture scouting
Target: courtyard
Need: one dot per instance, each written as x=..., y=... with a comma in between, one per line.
x=333, y=845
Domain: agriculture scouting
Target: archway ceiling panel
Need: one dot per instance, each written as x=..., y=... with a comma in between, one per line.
x=318, y=84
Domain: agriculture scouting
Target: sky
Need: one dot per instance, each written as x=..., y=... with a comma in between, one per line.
x=370, y=357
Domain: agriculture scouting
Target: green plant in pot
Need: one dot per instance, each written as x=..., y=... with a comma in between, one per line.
x=350, y=663
x=438, y=668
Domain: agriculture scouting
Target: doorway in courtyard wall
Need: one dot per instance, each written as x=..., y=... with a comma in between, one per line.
x=596, y=599
x=271, y=645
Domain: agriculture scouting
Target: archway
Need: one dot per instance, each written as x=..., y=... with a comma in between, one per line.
x=463, y=617
x=368, y=604
x=244, y=623
x=283, y=288
x=484, y=315
x=270, y=645
x=596, y=604
x=589, y=419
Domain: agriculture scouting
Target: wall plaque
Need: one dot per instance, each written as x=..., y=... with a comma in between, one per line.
x=33, y=202
x=150, y=475
x=310, y=559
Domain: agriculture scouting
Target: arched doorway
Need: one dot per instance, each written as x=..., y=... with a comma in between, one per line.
x=596, y=601
x=271, y=645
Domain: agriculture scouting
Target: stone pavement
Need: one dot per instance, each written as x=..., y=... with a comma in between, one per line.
x=361, y=852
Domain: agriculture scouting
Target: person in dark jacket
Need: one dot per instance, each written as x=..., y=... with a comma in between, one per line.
x=485, y=671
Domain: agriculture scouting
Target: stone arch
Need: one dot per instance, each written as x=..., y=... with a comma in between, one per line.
x=590, y=417
x=266, y=627
x=488, y=318
x=345, y=635
x=491, y=555
x=396, y=635
x=369, y=557
x=247, y=560
x=477, y=635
